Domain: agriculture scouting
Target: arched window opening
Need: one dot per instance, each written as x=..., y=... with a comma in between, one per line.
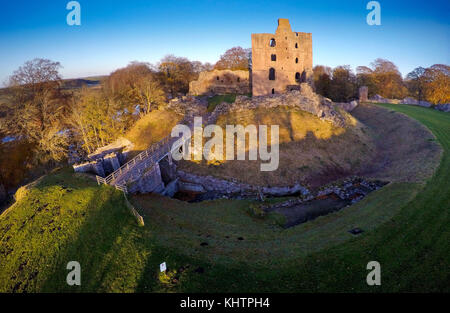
x=297, y=77
x=296, y=60
x=273, y=57
x=296, y=34
x=238, y=79
x=272, y=42
x=273, y=91
x=272, y=74
x=217, y=77
x=296, y=45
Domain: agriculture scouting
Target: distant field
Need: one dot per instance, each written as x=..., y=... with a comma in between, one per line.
x=76, y=83
x=216, y=246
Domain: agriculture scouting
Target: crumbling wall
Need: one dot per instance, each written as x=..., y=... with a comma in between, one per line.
x=221, y=82
x=305, y=100
x=95, y=167
x=101, y=166
x=363, y=94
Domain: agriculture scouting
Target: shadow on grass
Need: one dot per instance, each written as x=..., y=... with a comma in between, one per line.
x=65, y=219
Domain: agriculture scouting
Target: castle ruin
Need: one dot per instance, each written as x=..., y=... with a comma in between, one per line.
x=221, y=82
x=280, y=61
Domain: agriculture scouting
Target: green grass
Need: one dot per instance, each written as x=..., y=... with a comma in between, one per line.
x=406, y=230
x=66, y=217
x=217, y=99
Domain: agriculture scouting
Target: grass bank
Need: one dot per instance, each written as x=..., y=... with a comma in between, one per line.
x=67, y=217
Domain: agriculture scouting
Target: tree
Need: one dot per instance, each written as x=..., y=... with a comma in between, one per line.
x=95, y=120
x=366, y=77
x=175, y=74
x=147, y=93
x=235, y=58
x=415, y=82
x=437, y=84
x=201, y=67
x=343, y=84
x=134, y=86
x=322, y=80
x=388, y=80
x=38, y=109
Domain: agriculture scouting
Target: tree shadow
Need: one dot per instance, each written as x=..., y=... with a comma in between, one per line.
x=104, y=238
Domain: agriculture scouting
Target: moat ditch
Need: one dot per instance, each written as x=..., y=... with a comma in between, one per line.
x=301, y=207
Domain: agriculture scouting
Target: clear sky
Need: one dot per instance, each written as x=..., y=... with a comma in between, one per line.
x=115, y=32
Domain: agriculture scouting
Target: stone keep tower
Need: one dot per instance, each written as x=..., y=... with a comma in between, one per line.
x=280, y=61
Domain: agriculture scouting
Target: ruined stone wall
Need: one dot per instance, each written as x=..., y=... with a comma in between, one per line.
x=288, y=53
x=198, y=183
x=221, y=82
x=150, y=181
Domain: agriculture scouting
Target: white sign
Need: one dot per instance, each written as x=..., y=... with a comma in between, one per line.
x=163, y=267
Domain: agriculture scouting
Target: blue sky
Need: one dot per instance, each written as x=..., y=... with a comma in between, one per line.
x=115, y=32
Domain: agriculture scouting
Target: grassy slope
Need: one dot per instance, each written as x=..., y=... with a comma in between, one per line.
x=67, y=217
x=310, y=149
x=217, y=99
x=152, y=128
x=412, y=247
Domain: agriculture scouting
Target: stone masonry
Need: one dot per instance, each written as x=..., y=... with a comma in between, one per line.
x=280, y=61
x=221, y=82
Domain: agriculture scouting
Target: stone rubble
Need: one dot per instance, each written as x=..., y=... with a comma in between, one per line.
x=305, y=100
x=233, y=188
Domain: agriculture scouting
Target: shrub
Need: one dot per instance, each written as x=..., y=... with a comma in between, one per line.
x=256, y=210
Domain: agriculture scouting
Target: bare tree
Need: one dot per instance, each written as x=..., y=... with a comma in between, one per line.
x=38, y=107
x=235, y=58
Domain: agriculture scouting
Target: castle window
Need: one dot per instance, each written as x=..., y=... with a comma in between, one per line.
x=296, y=45
x=297, y=77
x=238, y=79
x=272, y=74
x=273, y=57
x=217, y=77
x=273, y=90
x=296, y=60
x=296, y=34
x=272, y=42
